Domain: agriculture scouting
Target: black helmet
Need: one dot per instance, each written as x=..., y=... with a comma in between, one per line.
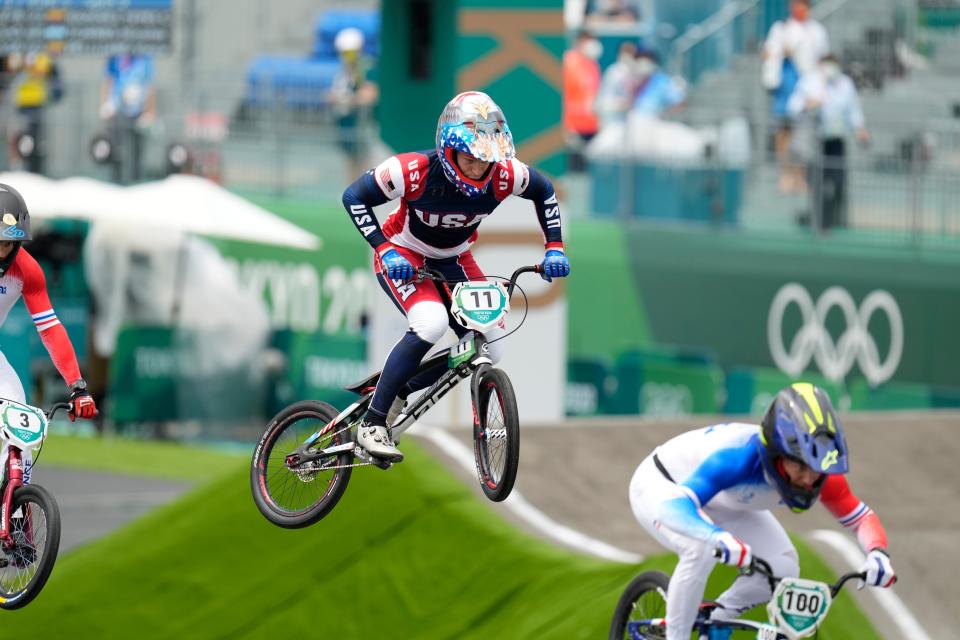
x=802, y=425
x=14, y=223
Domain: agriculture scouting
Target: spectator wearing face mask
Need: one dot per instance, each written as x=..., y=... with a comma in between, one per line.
x=581, y=82
x=618, y=85
x=657, y=91
x=792, y=49
x=829, y=97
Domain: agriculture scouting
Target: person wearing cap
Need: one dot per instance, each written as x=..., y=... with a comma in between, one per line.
x=353, y=95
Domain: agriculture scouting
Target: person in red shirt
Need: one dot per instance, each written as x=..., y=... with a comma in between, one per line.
x=581, y=82
x=21, y=276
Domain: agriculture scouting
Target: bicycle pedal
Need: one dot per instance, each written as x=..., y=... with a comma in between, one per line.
x=362, y=454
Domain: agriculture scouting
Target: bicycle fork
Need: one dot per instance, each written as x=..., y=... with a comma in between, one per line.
x=14, y=482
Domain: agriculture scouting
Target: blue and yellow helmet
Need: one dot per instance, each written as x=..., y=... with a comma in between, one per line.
x=801, y=424
x=472, y=123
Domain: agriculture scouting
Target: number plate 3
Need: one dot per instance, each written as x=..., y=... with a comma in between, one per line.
x=479, y=305
x=22, y=425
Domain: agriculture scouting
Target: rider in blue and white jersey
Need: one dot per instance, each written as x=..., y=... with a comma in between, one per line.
x=713, y=489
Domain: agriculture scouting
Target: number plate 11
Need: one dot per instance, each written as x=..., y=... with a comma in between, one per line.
x=479, y=305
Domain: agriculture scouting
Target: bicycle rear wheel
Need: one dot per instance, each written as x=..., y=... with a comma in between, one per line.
x=496, y=435
x=298, y=496
x=645, y=598
x=26, y=565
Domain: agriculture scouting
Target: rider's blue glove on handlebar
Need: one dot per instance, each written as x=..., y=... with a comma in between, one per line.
x=396, y=266
x=554, y=265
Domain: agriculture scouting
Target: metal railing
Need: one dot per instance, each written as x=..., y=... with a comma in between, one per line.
x=738, y=27
x=270, y=144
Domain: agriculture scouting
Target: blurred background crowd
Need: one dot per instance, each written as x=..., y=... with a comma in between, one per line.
x=776, y=101
x=710, y=155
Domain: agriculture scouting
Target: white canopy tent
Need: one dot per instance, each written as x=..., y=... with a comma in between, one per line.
x=145, y=267
x=188, y=204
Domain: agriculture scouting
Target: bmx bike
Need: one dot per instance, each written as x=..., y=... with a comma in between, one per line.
x=303, y=461
x=796, y=610
x=29, y=515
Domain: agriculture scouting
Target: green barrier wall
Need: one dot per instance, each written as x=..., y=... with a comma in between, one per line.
x=511, y=49
x=640, y=287
x=319, y=367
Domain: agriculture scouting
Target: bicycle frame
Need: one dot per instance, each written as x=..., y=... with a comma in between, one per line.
x=450, y=379
x=765, y=630
x=14, y=481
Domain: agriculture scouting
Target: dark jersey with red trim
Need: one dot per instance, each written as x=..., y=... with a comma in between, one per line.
x=433, y=218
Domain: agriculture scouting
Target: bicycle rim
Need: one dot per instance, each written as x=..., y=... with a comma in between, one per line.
x=35, y=529
x=496, y=435
x=298, y=496
x=643, y=601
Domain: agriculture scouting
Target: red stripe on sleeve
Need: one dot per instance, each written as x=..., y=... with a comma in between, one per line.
x=840, y=501
x=55, y=338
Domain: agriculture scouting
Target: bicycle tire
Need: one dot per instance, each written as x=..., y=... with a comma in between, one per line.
x=496, y=466
x=263, y=476
x=643, y=584
x=36, y=495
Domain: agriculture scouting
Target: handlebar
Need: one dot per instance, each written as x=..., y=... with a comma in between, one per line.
x=761, y=566
x=56, y=407
x=432, y=274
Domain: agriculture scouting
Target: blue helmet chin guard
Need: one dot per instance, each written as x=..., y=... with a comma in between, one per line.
x=802, y=425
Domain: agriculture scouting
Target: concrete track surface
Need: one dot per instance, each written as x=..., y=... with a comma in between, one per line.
x=905, y=465
x=93, y=504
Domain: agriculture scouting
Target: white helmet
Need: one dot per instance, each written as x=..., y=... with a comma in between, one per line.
x=349, y=39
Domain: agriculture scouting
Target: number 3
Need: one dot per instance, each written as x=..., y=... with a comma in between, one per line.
x=24, y=420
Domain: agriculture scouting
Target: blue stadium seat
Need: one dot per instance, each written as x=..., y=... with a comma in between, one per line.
x=288, y=81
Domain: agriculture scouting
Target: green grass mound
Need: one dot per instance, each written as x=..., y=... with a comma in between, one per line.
x=409, y=553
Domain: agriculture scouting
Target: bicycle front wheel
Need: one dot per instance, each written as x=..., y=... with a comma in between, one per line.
x=294, y=496
x=644, y=599
x=27, y=562
x=496, y=435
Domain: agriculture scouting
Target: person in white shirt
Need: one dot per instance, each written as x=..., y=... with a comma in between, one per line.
x=792, y=49
x=618, y=85
x=830, y=97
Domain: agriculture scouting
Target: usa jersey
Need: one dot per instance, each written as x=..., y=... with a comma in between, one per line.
x=720, y=469
x=432, y=217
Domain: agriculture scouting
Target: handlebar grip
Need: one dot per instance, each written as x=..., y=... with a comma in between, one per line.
x=56, y=407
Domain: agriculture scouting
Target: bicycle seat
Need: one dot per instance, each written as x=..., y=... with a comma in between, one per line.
x=707, y=608
x=361, y=387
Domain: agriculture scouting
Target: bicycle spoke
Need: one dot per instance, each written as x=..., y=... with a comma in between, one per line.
x=30, y=534
x=293, y=489
x=495, y=442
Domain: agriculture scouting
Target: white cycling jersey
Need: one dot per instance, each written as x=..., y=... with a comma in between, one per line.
x=712, y=480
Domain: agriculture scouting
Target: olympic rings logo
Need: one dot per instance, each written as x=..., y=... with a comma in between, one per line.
x=813, y=340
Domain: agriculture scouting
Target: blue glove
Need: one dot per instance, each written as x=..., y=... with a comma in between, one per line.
x=554, y=265
x=396, y=266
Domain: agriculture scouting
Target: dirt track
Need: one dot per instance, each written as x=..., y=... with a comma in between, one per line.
x=904, y=465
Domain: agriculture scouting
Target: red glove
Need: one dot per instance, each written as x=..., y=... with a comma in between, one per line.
x=83, y=404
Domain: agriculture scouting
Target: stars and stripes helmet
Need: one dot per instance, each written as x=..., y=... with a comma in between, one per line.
x=472, y=123
x=14, y=223
x=801, y=424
